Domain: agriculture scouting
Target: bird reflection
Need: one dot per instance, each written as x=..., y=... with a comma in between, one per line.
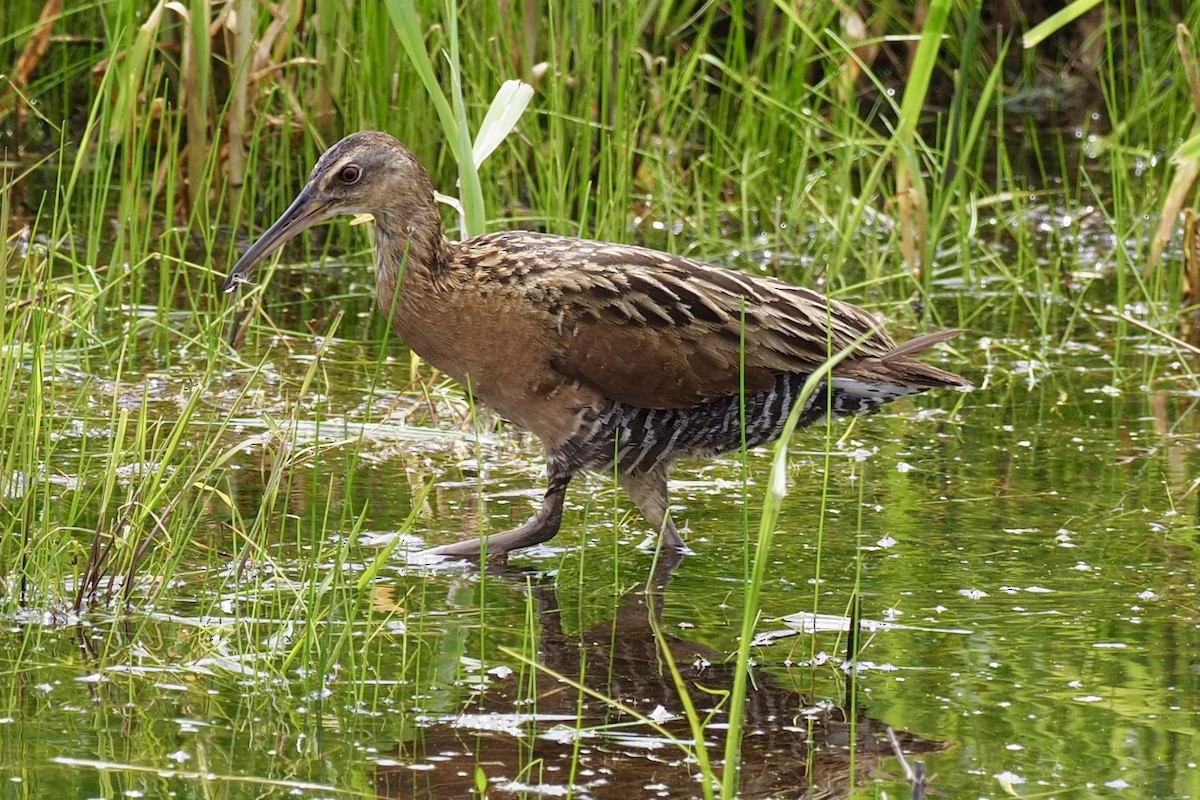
x=543, y=736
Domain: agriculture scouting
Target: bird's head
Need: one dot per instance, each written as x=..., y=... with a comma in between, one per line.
x=365, y=173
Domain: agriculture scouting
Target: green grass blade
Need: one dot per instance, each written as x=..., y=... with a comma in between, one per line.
x=1059, y=19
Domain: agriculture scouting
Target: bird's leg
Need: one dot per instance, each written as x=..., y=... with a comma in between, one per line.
x=648, y=490
x=540, y=528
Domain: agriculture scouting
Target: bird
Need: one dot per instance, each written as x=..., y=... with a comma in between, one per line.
x=619, y=358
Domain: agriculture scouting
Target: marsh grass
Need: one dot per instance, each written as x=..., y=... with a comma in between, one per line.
x=760, y=136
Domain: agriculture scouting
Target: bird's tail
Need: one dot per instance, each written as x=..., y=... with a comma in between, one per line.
x=902, y=365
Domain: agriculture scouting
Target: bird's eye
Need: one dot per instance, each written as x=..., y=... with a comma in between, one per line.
x=350, y=174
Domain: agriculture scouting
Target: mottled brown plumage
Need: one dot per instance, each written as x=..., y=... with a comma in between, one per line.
x=611, y=354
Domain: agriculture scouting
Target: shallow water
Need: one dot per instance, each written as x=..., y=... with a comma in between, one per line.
x=1024, y=555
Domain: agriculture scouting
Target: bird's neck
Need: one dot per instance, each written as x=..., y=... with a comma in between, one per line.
x=414, y=274
x=410, y=249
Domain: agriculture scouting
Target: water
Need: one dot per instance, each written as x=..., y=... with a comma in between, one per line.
x=1024, y=555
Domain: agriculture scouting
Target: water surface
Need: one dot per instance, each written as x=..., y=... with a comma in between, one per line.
x=1024, y=556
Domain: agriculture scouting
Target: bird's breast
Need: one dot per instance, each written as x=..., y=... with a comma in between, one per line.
x=501, y=351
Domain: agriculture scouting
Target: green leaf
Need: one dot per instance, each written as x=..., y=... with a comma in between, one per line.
x=453, y=118
x=917, y=85
x=507, y=107
x=1060, y=18
x=408, y=28
x=1189, y=151
x=480, y=781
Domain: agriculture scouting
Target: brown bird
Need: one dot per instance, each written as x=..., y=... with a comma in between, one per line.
x=613, y=355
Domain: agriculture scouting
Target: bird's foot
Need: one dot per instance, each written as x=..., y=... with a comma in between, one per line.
x=473, y=550
x=540, y=528
x=671, y=539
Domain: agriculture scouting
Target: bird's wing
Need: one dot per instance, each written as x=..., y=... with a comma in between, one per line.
x=655, y=330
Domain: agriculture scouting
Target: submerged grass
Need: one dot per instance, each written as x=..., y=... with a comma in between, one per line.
x=762, y=136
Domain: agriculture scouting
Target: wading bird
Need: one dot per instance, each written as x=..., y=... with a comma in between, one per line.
x=617, y=357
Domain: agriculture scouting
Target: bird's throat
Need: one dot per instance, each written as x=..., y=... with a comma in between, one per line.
x=416, y=245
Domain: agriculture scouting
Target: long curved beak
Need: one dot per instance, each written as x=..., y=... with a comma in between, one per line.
x=304, y=212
